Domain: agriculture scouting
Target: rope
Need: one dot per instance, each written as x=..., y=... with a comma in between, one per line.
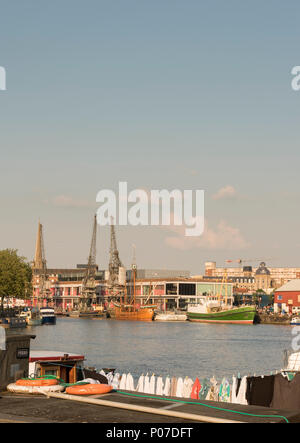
x=203, y=404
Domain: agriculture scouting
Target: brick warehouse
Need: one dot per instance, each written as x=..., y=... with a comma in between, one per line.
x=287, y=297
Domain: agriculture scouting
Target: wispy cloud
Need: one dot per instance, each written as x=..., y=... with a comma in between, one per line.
x=223, y=236
x=225, y=192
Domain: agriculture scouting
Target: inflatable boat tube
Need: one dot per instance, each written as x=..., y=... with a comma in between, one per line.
x=92, y=389
x=17, y=389
x=37, y=382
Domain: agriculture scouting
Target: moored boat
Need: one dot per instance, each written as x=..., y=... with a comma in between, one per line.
x=13, y=322
x=32, y=317
x=135, y=312
x=63, y=365
x=169, y=316
x=203, y=313
x=48, y=316
x=295, y=321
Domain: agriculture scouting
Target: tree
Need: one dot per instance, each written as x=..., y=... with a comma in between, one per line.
x=15, y=275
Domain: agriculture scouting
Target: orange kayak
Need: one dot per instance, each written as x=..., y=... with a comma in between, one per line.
x=89, y=389
x=38, y=382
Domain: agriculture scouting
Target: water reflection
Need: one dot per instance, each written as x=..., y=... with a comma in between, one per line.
x=178, y=349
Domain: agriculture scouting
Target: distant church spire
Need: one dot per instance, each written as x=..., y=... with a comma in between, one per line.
x=39, y=258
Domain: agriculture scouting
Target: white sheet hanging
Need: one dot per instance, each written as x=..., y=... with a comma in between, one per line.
x=140, y=384
x=167, y=387
x=159, y=386
x=179, y=388
x=129, y=383
x=147, y=385
x=152, y=384
x=241, y=396
x=116, y=381
x=123, y=381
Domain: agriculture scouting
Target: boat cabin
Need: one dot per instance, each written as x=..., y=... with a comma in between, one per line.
x=65, y=366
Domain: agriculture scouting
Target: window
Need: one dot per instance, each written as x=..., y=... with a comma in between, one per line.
x=279, y=297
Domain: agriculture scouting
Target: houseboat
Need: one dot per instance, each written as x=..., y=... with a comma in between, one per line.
x=66, y=366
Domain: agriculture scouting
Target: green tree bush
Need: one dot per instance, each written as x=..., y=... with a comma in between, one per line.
x=15, y=276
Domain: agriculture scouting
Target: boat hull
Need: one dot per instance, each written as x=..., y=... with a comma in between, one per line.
x=237, y=316
x=145, y=314
x=34, y=321
x=170, y=317
x=49, y=320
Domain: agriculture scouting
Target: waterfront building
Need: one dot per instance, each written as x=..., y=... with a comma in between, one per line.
x=64, y=287
x=176, y=293
x=287, y=298
x=256, y=279
x=171, y=292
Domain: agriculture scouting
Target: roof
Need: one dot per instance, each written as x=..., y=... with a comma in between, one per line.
x=262, y=270
x=53, y=356
x=292, y=285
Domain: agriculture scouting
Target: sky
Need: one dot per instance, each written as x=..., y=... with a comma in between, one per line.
x=163, y=94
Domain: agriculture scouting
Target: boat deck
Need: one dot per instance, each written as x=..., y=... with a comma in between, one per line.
x=28, y=408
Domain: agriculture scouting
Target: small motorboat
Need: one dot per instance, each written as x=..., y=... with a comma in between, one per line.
x=170, y=316
x=295, y=321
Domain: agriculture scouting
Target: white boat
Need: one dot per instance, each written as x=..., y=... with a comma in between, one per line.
x=32, y=317
x=48, y=316
x=295, y=321
x=170, y=316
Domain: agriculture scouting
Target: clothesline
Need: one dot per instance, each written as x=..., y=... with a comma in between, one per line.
x=253, y=390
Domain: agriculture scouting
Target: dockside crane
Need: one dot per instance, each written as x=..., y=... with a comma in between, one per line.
x=88, y=291
x=114, y=287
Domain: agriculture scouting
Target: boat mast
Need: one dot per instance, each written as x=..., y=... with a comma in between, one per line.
x=134, y=269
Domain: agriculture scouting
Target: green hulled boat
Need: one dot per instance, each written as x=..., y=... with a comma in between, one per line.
x=206, y=312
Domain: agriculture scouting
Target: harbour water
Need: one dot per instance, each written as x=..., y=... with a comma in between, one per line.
x=175, y=349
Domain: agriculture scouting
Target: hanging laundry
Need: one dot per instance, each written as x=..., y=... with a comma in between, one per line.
x=187, y=387
x=116, y=381
x=224, y=392
x=241, y=395
x=205, y=386
x=123, y=381
x=286, y=393
x=140, y=384
x=110, y=377
x=147, y=385
x=213, y=393
x=179, y=387
x=152, y=384
x=167, y=388
x=196, y=389
x=260, y=390
x=159, y=386
x=129, y=383
x=173, y=387
x=236, y=382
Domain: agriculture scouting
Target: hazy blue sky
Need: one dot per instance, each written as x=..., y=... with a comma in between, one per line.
x=163, y=94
